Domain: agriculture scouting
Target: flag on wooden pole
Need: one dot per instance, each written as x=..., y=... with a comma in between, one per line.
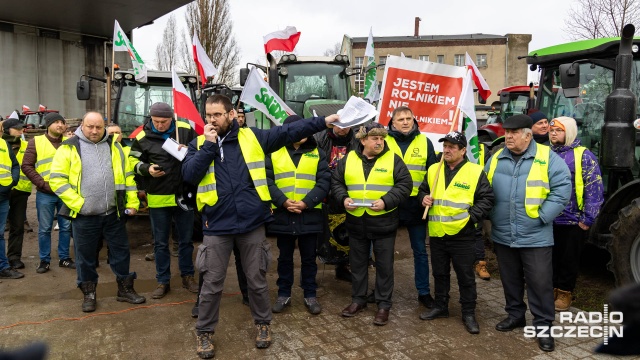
x=183, y=106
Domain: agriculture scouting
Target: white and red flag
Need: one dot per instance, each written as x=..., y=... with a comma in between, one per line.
x=25, y=108
x=183, y=106
x=284, y=40
x=481, y=84
x=42, y=107
x=203, y=63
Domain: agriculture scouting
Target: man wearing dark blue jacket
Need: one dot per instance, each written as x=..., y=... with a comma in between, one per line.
x=228, y=166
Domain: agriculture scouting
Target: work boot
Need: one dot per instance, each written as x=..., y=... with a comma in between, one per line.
x=563, y=300
x=343, y=273
x=481, y=270
x=189, y=283
x=16, y=264
x=205, y=349
x=313, y=306
x=555, y=294
x=263, y=339
x=126, y=291
x=27, y=227
x=160, y=291
x=10, y=273
x=426, y=300
x=88, y=288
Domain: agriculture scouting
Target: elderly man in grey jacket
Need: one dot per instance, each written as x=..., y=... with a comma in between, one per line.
x=532, y=185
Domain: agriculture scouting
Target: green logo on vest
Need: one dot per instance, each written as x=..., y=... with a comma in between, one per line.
x=539, y=162
x=311, y=155
x=3, y=150
x=382, y=170
x=463, y=186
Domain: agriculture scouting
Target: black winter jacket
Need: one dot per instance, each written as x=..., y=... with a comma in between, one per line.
x=239, y=209
x=482, y=200
x=311, y=220
x=368, y=226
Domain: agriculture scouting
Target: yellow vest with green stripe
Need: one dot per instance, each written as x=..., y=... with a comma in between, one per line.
x=379, y=182
x=449, y=213
x=5, y=165
x=415, y=158
x=66, y=177
x=579, y=180
x=537, y=181
x=294, y=182
x=24, y=184
x=254, y=158
x=45, y=152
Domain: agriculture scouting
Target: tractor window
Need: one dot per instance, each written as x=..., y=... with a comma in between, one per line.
x=517, y=104
x=136, y=100
x=309, y=81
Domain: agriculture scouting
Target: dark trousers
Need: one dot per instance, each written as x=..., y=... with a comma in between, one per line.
x=16, y=218
x=460, y=253
x=359, y=260
x=309, y=269
x=161, y=219
x=531, y=266
x=87, y=232
x=479, y=245
x=568, y=241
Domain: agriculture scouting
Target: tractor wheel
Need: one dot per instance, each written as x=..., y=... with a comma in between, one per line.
x=625, y=245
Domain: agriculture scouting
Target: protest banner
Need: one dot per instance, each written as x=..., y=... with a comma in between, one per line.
x=431, y=90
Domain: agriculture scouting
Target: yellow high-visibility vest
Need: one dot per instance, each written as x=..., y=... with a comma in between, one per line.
x=379, y=182
x=45, y=152
x=577, y=156
x=537, y=181
x=415, y=158
x=449, y=213
x=294, y=182
x=254, y=158
x=24, y=184
x=5, y=165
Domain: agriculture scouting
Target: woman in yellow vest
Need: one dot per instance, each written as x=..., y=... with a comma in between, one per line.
x=299, y=179
x=371, y=182
x=459, y=200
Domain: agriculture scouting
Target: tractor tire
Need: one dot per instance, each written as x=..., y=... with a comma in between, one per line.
x=625, y=245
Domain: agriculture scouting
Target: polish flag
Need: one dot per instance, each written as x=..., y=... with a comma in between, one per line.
x=483, y=87
x=135, y=132
x=183, y=106
x=203, y=63
x=42, y=107
x=25, y=108
x=284, y=40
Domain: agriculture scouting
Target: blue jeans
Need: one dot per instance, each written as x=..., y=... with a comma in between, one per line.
x=308, y=270
x=47, y=205
x=418, y=238
x=161, y=226
x=88, y=231
x=4, y=210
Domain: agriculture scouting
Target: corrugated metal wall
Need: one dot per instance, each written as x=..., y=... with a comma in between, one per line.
x=35, y=69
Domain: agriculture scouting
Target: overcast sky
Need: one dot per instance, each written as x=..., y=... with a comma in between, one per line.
x=322, y=24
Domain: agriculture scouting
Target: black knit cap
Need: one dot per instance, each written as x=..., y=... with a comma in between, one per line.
x=12, y=123
x=519, y=121
x=161, y=109
x=50, y=118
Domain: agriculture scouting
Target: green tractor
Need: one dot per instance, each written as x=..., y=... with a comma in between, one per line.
x=307, y=84
x=597, y=82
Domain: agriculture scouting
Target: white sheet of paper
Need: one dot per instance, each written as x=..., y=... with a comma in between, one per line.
x=355, y=112
x=171, y=146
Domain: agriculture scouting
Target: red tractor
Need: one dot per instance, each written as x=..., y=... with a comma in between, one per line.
x=513, y=100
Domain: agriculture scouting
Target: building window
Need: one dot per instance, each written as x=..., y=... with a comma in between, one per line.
x=440, y=59
x=458, y=60
x=408, y=56
x=382, y=60
x=423, y=57
x=359, y=85
x=481, y=60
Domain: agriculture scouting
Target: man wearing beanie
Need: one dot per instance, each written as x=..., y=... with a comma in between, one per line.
x=36, y=165
x=228, y=166
x=371, y=182
x=572, y=225
x=19, y=194
x=540, y=128
x=9, y=175
x=163, y=179
x=531, y=185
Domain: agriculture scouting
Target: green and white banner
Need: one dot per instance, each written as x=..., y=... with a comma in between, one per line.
x=121, y=43
x=371, y=92
x=259, y=94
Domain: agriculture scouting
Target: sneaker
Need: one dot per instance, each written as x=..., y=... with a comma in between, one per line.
x=67, y=263
x=205, y=349
x=313, y=306
x=280, y=304
x=189, y=283
x=43, y=267
x=150, y=257
x=16, y=264
x=10, y=273
x=160, y=291
x=263, y=339
x=426, y=300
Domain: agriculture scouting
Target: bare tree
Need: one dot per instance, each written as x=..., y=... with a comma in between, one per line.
x=167, y=50
x=333, y=51
x=591, y=19
x=212, y=21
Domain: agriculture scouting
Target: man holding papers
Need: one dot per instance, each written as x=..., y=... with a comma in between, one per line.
x=371, y=182
x=163, y=177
